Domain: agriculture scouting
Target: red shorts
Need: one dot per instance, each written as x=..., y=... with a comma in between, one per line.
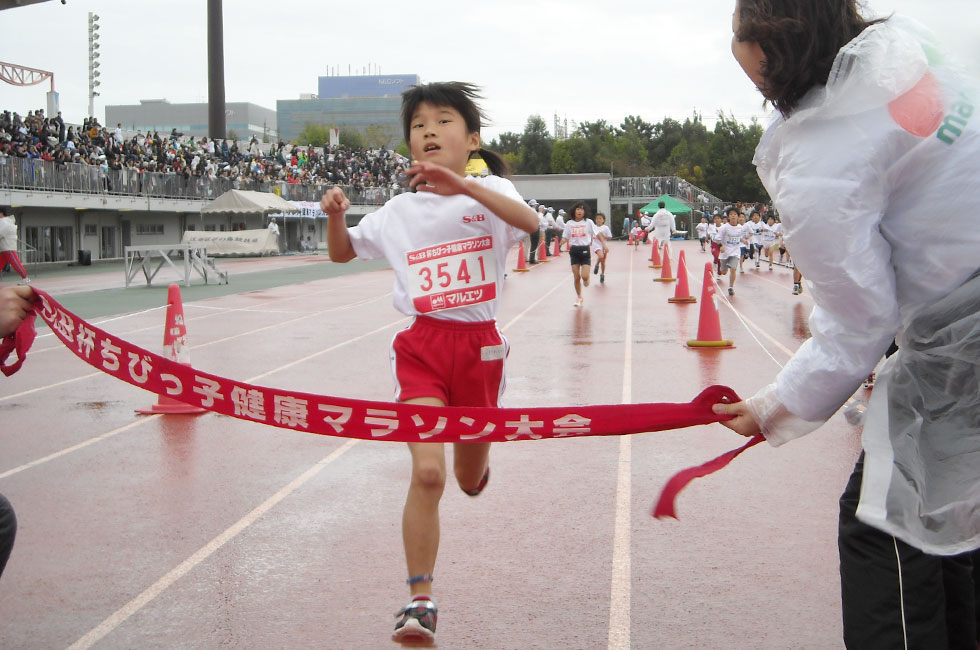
x=715, y=250
x=459, y=362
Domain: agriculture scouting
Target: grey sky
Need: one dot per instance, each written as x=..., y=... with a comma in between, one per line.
x=582, y=60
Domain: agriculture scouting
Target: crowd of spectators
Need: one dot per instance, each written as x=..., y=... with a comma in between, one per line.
x=51, y=139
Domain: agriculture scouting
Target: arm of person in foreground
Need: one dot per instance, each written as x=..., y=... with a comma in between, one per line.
x=856, y=313
x=430, y=177
x=335, y=205
x=15, y=303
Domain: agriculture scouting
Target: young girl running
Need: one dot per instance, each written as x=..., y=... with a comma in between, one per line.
x=452, y=353
x=599, y=246
x=579, y=233
x=874, y=144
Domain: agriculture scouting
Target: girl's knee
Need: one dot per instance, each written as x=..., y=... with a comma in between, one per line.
x=429, y=475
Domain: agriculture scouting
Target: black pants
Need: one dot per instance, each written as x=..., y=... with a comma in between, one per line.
x=893, y=593
x=8, y=530
x=535, y=242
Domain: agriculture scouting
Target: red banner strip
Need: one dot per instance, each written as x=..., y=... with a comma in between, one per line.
x=679, y=481
x=352, y=418
x=363, y=419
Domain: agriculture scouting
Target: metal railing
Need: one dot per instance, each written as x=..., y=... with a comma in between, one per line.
x=654, y=186
x=75, y=178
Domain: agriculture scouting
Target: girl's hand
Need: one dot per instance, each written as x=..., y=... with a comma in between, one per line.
x=743, y=423
x=334, y=202
x=432, y=177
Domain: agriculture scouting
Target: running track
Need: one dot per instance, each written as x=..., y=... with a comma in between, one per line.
x=204, y=532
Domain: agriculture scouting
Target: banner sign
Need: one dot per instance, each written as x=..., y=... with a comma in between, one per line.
x=363, y=419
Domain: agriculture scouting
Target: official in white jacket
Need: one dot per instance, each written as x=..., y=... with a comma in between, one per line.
x=663, y=224
x=871, y=161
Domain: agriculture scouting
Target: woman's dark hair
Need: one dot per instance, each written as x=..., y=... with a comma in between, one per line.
x=576, y=206
x=800, y=39
x=460, y=96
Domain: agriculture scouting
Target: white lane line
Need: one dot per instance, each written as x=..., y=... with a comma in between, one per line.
x=145, y=419
x=54, y=385
x=620, y=596
x=123, y=613
x=81, y=445
x=359, y=303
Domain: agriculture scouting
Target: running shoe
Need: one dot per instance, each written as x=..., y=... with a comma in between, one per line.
x=602, y=278
x=483, y=483
x=595, y=269
x=579, y=302
x=24, y=281
x=731, y=291
x=797, y=289
x=757, y=264
x=417, y=625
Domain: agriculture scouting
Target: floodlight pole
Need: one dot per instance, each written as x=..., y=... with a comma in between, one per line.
x=216, y=72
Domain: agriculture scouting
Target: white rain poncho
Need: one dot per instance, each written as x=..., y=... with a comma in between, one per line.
x=662, y=225
x=875, y=177
x=8, y=234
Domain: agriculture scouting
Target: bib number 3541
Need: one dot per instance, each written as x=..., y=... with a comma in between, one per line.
x=454, y=274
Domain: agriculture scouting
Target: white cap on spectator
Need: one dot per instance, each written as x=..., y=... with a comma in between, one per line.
x=532, y=203
x=561, y=212
x=550, y=209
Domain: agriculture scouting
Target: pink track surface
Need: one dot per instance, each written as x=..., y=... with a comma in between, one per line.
x=203, y=532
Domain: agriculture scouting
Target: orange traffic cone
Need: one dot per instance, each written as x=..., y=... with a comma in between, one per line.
x=709, y=324
x=543, y=251
x=665, y=271
x=655, y=255
x=521, y=261
x=557, y=246
x=175, y=348
x=631, y=237
x=683, y=291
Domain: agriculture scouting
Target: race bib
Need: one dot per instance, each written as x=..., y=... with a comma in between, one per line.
x=451, y=275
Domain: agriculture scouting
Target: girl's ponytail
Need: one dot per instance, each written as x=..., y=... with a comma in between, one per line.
x=495, y=163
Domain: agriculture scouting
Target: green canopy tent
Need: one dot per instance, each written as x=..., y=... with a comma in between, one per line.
x=674, y=205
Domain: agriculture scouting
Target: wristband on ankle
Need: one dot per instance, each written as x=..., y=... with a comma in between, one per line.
x=427, y=577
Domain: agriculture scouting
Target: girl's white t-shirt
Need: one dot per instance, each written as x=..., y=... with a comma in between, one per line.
x=702, y=229
x=605, y=232
x=579, y=233
x=448, y=252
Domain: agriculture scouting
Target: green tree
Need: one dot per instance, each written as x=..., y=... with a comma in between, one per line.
x=729, y=171
x=351, y=137
x=379, y=135
x=536, y=146
x=314, y=134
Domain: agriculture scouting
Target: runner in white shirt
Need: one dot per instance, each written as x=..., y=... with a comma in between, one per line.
x=702, y=229
x=714, y=234
x=770, y=238
x=756, y=227
x=447, y=244
x=663, y=224
x=732, y=236
x=579, y=233
x=599, y=246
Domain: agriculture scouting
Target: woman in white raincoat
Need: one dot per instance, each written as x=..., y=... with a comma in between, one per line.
x=872, y=161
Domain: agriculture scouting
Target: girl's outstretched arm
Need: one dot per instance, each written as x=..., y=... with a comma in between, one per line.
x=430, y=177
x=335, y=204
